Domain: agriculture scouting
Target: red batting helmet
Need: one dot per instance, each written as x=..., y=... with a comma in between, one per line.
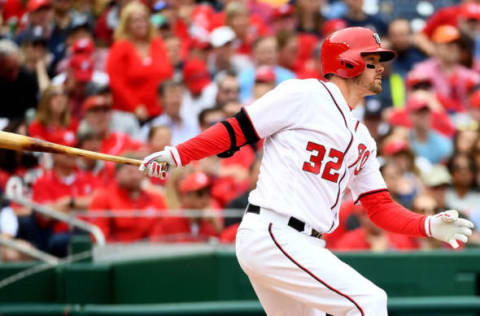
x=342, y=51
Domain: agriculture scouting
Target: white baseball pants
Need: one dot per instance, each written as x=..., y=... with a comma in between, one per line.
x=293, y=274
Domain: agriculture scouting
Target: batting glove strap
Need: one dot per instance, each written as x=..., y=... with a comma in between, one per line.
x=447, y=227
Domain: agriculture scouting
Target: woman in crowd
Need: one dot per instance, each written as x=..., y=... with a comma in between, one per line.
x=137, y=63
x=52, y=121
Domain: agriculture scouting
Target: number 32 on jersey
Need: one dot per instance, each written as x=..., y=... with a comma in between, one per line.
x=333, y=165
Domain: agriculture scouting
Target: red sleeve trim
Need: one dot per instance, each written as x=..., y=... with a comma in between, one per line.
x=368, y=193
x=391, y=216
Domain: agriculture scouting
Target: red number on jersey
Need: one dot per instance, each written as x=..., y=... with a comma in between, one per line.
x=333, y=165
x=315, y=163
x=315, y=160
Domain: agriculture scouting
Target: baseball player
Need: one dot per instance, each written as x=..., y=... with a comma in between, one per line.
x=314, y=149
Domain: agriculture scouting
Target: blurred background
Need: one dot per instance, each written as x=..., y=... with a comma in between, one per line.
x=126, y=77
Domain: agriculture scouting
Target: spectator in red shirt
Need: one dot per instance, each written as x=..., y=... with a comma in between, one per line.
x=97, y=111
x=137, y=63
x=52, y=121
x=195, y=195
x=63, y=189
x=123, y=195
x=108, y=22
x=370, y=237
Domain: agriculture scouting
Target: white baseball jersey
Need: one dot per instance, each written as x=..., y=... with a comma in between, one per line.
x=314, y=148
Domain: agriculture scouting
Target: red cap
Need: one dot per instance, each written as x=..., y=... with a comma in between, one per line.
x=416, y=104
x=83, y=46
x=34, y=5
x=395, y=146
x=283, y=11
x=195, y=75
x=415, y=77
x=474, y=100
x=82, y=67
x=265, y=74
x=194, y=182
x=333, y=25
x=470, y=10
x=95, y=101
x=202, y=16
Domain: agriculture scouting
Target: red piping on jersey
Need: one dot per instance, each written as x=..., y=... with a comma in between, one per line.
x=336, y=104
x=311, y=273
x=356, y=125
x=338, y=192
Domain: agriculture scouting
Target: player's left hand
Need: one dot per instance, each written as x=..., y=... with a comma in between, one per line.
x=446, y=226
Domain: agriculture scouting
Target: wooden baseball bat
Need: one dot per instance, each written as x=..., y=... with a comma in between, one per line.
x=24, y=143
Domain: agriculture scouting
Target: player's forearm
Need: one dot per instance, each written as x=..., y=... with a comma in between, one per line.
x=217, y=139
x=391, y=216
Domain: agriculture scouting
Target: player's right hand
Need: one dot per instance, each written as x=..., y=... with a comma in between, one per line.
x=446, y=226
x=158, y=164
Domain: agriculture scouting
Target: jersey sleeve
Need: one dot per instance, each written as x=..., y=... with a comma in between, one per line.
x=369, y=179
x=278, y=109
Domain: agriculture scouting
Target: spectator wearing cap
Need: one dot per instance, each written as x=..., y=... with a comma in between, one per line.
x=144, y=61
x=265, y=53
x=125, y=194
x=459, y=16
x=201, y=90
x=356, y=16
x=223, y=57
x=437, y=181
x=76, y=78
x=425, y=141
x=419, y=91
x=264, y=81
x=82, y=65
x=181, y=127
x=97, y=113
x=18, y=86
x=79, y=40
x=471, y=117
x=52, y=120
x=449, y=79
x=89, y=138
x=66, y=20
x=39, y=14
x=64, y=189
x=195, y=196
x=401, y=40
x=36, y=55
x=283, y=18
x=463, y=194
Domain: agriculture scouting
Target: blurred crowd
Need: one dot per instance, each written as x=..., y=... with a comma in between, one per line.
x=129, y=77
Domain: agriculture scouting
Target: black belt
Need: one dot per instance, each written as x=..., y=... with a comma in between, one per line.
x=293, y=222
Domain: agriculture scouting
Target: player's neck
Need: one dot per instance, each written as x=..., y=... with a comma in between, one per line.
x=349, y=92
